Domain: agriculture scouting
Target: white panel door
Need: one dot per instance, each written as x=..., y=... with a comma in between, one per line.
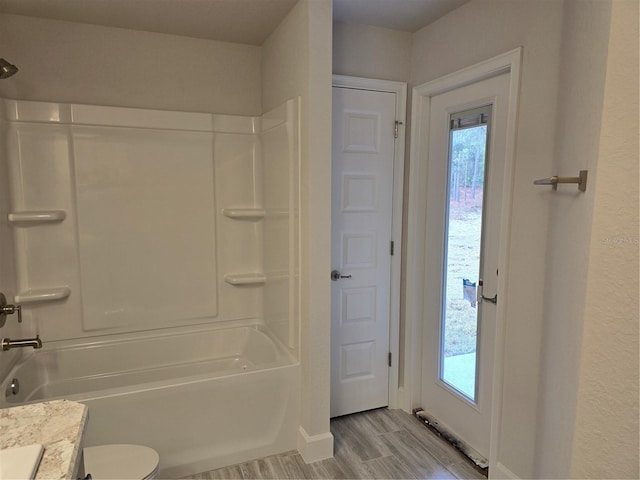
x=362, y=194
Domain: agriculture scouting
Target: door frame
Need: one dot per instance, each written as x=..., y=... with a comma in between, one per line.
x=509, y=62
x=400, y=89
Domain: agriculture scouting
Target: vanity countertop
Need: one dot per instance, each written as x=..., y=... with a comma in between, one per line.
x=58, y=426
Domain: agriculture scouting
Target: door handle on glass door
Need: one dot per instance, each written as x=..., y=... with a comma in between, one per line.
x=336, y=275
x=481, y=296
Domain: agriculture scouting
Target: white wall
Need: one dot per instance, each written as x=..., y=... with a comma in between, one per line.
x=371, y=52
x=474, y=32
x=605, y=443
x=579, y=112
x=80, y=63
x=297, y=61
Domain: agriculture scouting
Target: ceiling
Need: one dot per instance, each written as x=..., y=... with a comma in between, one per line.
x=405, y=15
x=238, y=21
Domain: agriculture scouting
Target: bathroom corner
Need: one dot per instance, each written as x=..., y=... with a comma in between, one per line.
x=297, y=61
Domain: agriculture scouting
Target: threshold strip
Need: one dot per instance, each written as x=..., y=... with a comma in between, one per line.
x=478, y=461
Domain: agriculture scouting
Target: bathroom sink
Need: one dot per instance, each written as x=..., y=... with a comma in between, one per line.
x=20, y=462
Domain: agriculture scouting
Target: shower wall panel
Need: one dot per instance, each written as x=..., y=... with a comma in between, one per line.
x=41, y=181
x=146, y=225
x=281, y=159
x=238, y=189
x=128, y=220
x=11, y=329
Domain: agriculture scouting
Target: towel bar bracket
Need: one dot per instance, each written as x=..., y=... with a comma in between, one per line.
x=580, y=180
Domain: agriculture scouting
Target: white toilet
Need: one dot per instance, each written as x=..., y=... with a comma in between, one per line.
x=130, y=462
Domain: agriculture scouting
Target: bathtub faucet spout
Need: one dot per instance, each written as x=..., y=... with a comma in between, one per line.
x=8, y=344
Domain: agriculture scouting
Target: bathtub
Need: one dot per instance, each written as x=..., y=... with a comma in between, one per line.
x=202, y=399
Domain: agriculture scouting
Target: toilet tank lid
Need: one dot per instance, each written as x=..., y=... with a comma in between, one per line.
x=121, y=461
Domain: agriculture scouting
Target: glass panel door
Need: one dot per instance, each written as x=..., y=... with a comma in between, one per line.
x=463, y=234
x=461, y=319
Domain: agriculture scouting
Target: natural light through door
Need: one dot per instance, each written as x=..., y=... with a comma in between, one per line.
x=463, y=248
x=459, y=208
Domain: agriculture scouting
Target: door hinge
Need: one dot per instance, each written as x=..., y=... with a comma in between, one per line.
x=389, y=358
x=395, y=128
x=392, y=246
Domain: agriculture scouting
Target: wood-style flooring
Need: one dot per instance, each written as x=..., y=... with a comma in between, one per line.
x=375, y=444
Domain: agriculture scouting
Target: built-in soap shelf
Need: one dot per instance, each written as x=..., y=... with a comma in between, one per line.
x=42, y=295
x=244, y=213
x=238, y=279
x=36, y=216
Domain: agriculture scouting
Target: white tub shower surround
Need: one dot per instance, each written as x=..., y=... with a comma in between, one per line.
x=133, y=227
x=202, y=399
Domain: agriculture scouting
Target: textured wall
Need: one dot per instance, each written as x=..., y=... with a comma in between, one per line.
x=606, y=427
x=80, y=63
x=583, y=68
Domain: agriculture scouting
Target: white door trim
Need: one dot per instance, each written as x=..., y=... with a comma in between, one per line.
x=400, y=89
x=509, y=62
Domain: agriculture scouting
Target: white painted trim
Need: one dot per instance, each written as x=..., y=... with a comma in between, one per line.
x=316, y=447
x=475, y=73
x=100, y=115
x=361, y=83
x=416, y=229
x=515, y=60
x=400, y=89
x=509, y=62
x=500, y=471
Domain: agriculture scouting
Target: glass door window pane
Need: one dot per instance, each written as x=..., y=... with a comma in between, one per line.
x=460, y=317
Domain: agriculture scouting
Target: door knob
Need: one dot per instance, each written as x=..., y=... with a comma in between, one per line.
x=336, y=275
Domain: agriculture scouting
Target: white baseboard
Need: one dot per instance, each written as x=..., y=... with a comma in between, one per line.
x=500, y=471
x=402, y=402
x=316, y=447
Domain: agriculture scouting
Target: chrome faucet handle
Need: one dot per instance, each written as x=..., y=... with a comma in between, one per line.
x=8, y=310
